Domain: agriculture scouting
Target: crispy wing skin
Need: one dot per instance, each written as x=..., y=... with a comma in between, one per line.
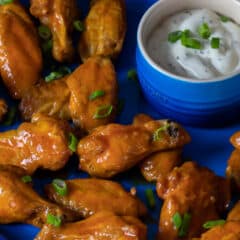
x=229, y=231
x=3, y=109
x=20, y=55
x=160, y=164
x=114, y=148
x=20, y=203
x=59, y=16
x=51, y=99
x=234, y=214
x=235, y=140
x=105, y=28
x=100, y=226
x=233, y=169
x=89, y=196
x=42, y=143
x=194, y=190
x=96, y=74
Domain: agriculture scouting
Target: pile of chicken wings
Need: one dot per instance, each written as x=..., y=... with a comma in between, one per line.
x=74, y=114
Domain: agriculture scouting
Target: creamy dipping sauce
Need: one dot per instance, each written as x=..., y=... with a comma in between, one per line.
x=205, y=63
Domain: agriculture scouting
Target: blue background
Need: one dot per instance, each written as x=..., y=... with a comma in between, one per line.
x=209, y=147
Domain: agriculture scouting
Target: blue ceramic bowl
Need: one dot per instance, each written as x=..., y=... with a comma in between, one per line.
x=189, y=101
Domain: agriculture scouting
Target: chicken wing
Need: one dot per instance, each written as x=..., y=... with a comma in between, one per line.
x=100, y=226
x=234, y=214
x=51, y=99
x=43, y=143
x=20, y=55
x=93, y=88
x=20, y=203
x=3, y=109
x=89, y=196
x=228, y=231
x=196, y=194
x=115, y=148
x=105, y=28
x=59, y=16
x=88, y=96
x=159, y=163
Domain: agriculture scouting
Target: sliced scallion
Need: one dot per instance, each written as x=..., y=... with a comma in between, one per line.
x=132, y=75
x=204, y=31
x=174, y=36
x=215, y=43
x=150, y=198
x=103, y=111
x=54, y=220
x=224, y=18
x=157, y=134
x=52, y=76
x=44, y=32
x=72, y=142
x=26, y=179
x=3, y=2
x=59, y=186
x=177, y=220
x=214, y=223
x=78, y=25
x=96, y=94
x=183, y=230
x=191, y=43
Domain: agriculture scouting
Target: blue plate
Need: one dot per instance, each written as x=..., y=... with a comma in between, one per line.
x=209, y=147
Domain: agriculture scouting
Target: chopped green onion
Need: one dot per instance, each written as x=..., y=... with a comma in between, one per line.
x=44, y=32
x=96, y=94
x=186, y=34
x=174, y=36
x=54, y=220
x=103, y=112
x=177, y=220
x=191, y=43
x=26, y=179
x=10, y=116
x=72, y=142
x=215, y=43
x=185, y=225
x=224, y=18
x=59, y=186
x=52, y=76
x=3, y=2
x=150, y=197
x=204, y=31
x=211, y=224
x=132, y=75
x=78, y=25
x=157, y=134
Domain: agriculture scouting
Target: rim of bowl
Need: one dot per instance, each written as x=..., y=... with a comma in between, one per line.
x=162, y=70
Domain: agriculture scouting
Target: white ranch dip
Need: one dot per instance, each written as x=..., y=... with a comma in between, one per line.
x=204, y=63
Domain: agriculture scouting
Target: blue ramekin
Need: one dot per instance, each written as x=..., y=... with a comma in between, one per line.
x=188, y=101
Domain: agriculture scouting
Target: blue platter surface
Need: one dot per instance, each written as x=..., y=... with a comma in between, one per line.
x=209, y=146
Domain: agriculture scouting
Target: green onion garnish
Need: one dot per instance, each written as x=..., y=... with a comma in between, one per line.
x=204, y=31
x=211, y=224
x=132, y=75
x=44, y=32
x=78, y=25
x=26, y=179
x=177, y=220
x=72, y=142
x=3, y=2
x=59, y=186
x=157, y=134
x=103, y=112
x=150, y=198
x=10, y=116
x=174, y=36
x=185, y=225
x=224, y=18
x=52, y=76
x=96, y=94
x=215, y=43
x=191, y=43
x=54, y=220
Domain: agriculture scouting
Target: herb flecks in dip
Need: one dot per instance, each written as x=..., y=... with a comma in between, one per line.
x=199, y=44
